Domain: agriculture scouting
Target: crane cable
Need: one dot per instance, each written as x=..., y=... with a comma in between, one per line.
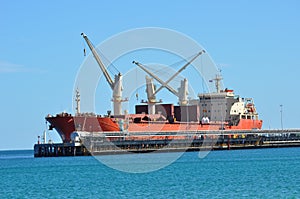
x=84, y=51
x=165, y=73
x=136, y=80
x=110, y=64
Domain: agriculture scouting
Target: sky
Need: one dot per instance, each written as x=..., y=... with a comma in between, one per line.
x=255, y=43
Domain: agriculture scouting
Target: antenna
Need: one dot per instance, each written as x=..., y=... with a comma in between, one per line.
x=217, y=81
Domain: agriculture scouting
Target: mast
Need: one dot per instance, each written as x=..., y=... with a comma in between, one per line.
x=217, y=80
x=77, y=100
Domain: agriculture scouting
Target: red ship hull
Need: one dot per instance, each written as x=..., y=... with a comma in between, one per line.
x=66, y=124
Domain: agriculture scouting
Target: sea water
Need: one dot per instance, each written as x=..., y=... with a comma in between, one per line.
x=259, y=173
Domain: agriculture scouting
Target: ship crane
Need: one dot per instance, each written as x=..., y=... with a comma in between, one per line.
x=115, y=85
x=182, y=92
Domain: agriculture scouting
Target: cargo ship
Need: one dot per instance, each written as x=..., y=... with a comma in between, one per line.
x=219, y=110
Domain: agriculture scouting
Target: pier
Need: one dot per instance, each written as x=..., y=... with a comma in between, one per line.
x=60, y=149
x=99, y=143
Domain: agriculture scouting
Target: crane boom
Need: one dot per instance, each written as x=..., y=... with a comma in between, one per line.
x=101, y=65
x=178, y=72
x=165, y=84
x=116, y=85
x=156, y=78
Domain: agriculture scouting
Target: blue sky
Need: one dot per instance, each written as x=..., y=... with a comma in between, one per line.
x=256, y=44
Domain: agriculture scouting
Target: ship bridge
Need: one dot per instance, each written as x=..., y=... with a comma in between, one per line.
x=217, y=106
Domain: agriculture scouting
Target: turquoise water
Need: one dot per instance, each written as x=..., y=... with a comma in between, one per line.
x=261, y=173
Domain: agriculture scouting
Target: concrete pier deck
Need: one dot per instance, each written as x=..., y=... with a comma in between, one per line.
x=99, y=143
